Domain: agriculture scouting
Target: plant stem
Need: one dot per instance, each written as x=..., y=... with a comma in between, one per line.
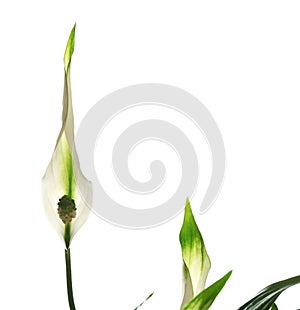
x=69, y=279
x=67, y=235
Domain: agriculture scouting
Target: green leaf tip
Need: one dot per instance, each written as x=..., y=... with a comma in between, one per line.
x=69, y=49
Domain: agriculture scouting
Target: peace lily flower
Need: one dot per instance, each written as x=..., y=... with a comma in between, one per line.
x=196, y=262
x=196, y=266
x=67, y=194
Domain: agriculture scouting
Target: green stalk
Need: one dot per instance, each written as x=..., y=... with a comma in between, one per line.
x=69, y=279
x=67, y=235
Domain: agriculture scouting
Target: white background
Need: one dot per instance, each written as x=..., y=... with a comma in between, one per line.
x=240, y=58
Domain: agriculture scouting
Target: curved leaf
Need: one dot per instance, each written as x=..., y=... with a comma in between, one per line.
x=266, y=298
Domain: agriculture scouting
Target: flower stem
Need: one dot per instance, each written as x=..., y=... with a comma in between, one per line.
x=67, y=235
x=69, y=279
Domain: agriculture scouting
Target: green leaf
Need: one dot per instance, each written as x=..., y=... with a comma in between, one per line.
x=204, y=300
x=266, y=298
x=274, y=307
x=138, y=307
x=196, y=262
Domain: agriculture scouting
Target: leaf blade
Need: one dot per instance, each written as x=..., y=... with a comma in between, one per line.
x=267, y=297
x=140, y=305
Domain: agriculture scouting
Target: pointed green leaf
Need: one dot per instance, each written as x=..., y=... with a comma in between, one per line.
x=267, y=297
x=274, y=307
x=195, y=258
x=204, y=300
x=138, y=307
